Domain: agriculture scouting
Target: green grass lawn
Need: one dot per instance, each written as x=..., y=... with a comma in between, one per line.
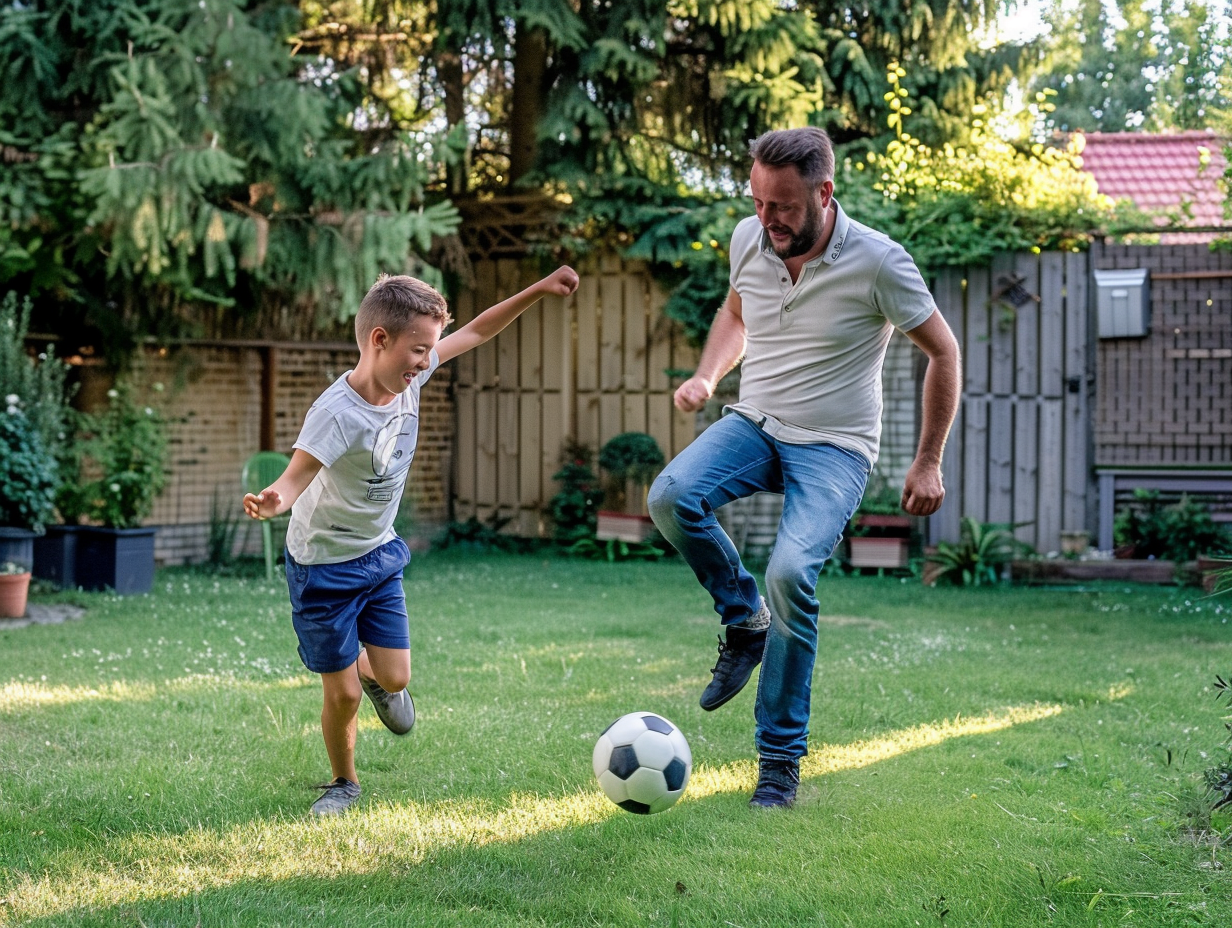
x=979, y=757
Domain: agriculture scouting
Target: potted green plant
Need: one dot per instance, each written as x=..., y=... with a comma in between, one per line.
x=27, y=484
x=880, y=532
x=124, y=452
x=629, y=462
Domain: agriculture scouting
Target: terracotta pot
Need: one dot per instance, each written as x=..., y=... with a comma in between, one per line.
x=14, y=590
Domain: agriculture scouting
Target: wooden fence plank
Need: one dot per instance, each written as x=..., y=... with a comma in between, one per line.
x=487, y=452
x=508, y=481
x=977, y=347
x=1026, y=328
x=508, y=282
x=1026, y=468
x=464, y=311
x=611, y=416
x=1000, y=333
x=946, y=523
x=587, y=302
x=530, y=347
x=485, y=296
x=659, y=421
x=588, y=428
x=556, y=341
x=611, y=341
x=464, y=469
x=659, y=356
x=975, y=458
x=1076, y=471
x=551, y=444
x=1052, y=324
x=634, y=418
x=1001, y=459
x=635, y=334
x=1052, y=440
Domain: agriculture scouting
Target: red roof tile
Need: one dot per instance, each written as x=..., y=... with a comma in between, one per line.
x=1158, y=171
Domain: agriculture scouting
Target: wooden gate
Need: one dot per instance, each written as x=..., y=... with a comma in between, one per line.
x=1020, y=449
x=584, y=368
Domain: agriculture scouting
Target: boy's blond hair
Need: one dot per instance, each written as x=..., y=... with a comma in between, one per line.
x=394, y=301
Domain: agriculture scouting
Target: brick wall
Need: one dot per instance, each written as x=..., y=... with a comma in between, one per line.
x=212, y=395
x=1167, y=399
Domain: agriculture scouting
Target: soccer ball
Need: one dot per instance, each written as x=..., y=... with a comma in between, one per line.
x=642, y=762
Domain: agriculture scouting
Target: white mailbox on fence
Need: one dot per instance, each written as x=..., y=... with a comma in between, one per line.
x=1123, y=303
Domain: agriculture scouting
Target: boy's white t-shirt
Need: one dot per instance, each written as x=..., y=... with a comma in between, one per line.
x=349, y=507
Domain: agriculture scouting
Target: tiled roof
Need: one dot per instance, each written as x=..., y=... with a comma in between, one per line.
x=1159, y=171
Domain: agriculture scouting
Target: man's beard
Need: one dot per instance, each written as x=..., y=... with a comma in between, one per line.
x=806, y=238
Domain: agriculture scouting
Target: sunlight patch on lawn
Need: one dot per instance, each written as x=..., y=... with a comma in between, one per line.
x=391, y=837
x=17, y=695
x=832, y=758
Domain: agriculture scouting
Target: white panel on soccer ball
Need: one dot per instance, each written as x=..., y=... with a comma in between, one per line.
x=666, y=801
x=681, y=747
x=654, y=749
x=626, y=728
x=613, y=787
x=602, y=754
x=646, y=786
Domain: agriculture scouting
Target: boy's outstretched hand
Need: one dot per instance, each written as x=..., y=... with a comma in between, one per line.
x=562, y=281
x=263, y=505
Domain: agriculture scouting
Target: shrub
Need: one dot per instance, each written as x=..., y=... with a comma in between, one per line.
x=1179, y=532
x=979, y=557
x=27, y=471
x=574, y=510
x=125, y=448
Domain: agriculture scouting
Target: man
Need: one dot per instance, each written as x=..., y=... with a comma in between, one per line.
x=813, y=301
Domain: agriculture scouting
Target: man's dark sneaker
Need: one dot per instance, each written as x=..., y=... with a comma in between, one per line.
x=338, y=797
x=738, y=656
x=396, y=710
x=777, y=781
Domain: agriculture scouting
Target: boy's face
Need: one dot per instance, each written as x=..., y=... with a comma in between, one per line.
x=400, y=358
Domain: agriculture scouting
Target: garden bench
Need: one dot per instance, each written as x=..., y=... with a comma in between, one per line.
x=1213, y=484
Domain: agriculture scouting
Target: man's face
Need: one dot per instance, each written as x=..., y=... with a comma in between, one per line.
x=792, y=212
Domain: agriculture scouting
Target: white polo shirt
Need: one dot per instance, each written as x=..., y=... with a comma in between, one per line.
x=812, y=365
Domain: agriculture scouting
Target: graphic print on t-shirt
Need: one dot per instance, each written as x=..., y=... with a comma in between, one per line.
x=391, y=456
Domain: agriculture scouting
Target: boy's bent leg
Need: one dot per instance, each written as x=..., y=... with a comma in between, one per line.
x=384, y=674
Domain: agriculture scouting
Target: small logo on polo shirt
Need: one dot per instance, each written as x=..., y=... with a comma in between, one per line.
x=836, y=250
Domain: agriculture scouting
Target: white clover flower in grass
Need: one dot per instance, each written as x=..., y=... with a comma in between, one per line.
x=12, y=399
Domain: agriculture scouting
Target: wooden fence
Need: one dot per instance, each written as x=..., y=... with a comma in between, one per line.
x=1020, y=450
x=584, y=368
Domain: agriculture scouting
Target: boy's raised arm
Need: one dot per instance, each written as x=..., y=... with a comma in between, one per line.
x=281, y=495
x=562, y=282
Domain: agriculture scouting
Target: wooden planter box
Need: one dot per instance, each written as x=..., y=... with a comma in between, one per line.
x=623, y=526
x=864, y=551
x=55, y=556
x=1126, y=571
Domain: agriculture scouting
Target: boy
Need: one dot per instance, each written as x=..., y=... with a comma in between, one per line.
x=347, y=472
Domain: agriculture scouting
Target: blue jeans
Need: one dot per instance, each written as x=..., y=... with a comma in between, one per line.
x=821, y=485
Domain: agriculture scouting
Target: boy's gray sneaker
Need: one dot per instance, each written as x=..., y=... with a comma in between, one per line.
x=396, y=710
x=338, y=797
x=777, y=781
x=738, y=655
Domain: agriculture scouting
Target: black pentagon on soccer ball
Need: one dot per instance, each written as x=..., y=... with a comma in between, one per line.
x=623, y=761
x=632, y=805
x=675, y=774
x=654, y=723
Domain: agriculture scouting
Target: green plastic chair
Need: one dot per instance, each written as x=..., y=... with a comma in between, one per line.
x=260, y=470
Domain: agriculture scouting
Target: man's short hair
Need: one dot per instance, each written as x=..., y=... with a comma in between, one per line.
x=394, y=301
x=808, y=149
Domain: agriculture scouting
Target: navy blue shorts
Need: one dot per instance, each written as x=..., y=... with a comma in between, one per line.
x=336, y=606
